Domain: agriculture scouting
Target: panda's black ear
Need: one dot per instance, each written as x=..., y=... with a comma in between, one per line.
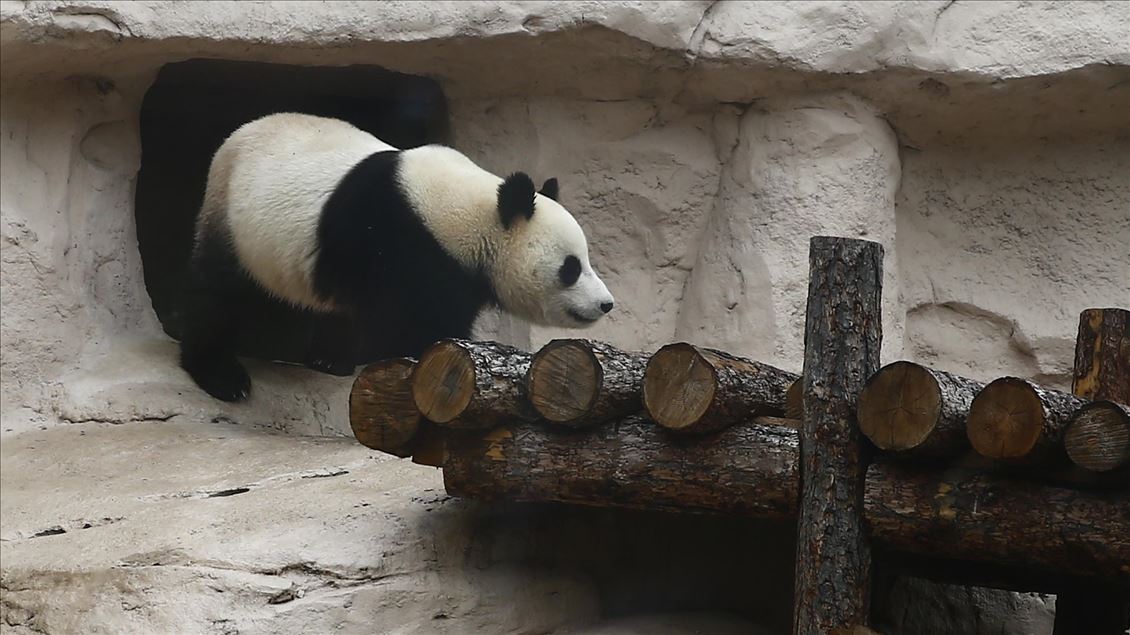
x=515, y=198
x=549, y=189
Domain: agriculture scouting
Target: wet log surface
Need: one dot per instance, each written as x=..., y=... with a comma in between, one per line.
x=579, y=382
x=911, y=409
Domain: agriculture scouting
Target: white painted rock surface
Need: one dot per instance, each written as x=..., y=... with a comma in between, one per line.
x=700, y=144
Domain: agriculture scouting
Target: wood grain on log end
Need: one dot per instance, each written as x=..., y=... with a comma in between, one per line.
x=564, y=381
x=899, y=406
x=678, y=386
x=1006, y=419
x=1098, y=437
x=444, y=382
x=382, y=413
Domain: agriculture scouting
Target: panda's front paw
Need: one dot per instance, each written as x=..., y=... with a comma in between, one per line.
x=223, y=379
x=334, y=367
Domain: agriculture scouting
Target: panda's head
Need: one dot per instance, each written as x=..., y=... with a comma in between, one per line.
x=541, y=269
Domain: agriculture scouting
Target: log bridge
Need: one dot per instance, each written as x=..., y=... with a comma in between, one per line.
x=914, y=469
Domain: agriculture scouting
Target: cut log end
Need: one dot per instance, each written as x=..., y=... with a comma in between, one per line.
x=899, y=406
x=1005, y=419
x=444, y=382
x=1098, y=438
x=678, y=386
x=382, y=413
x=565, y=379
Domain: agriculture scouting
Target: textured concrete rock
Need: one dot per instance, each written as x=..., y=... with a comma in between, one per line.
x=700, y=145
x=799, y=168
x=190, y=527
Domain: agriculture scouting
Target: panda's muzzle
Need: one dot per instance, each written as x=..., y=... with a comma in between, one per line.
x=580, y=318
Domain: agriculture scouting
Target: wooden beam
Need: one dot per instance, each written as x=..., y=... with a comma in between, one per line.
x=579, y=382
x=842, y=335
x=1016, y=420
x=910, y=409
x=1102, y=356
x=984, y=517
x=695, y=390
x=464, y=384
x=382, y=414
x=748, y=469
x=1101, y=371
x=1098, y=437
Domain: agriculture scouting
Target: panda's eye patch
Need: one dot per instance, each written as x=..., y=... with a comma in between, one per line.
x=570, y=270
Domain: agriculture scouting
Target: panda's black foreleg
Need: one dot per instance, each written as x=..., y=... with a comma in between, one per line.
x=213, y=304
x=333, y=345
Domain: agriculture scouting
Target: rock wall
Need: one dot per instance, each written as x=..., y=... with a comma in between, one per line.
x=700, y=144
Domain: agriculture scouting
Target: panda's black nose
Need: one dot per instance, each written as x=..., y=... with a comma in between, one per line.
x=606, y=307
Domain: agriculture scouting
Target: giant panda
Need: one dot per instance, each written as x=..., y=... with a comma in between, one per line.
x=406, y=246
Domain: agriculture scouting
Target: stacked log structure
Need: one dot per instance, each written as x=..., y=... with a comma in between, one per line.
x=698, y=430
x=749, y=468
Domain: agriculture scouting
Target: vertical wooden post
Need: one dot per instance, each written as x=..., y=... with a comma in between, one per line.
x=1102, y=371
x=842, y=334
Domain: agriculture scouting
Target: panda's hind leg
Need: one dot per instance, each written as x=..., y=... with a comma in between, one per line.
x=213, y=314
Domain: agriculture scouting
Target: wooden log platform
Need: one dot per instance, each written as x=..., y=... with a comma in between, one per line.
x=464, y=384
x=970, y=517
x=580, y=382
x=1016, y=420
x=910, y=409
x=695, y=390
x=748, y=469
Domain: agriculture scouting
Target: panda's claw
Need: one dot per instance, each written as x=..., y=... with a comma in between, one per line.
x=223, y=379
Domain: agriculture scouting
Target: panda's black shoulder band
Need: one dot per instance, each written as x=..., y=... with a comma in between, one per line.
x=516, y=198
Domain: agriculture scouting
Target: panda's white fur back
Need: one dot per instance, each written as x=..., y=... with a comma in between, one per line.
x=278, y=172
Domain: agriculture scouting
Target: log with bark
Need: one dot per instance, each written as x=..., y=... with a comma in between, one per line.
x=748, y=469
x=1016, y=420
x=1098, y=437
x=696, y=390
x=464, y=384
x=382, y=413
x=1102, y=356
x=579, y=382
x=1101, y=372
x=915, y=410
x=983, y=517
x=842, y=335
